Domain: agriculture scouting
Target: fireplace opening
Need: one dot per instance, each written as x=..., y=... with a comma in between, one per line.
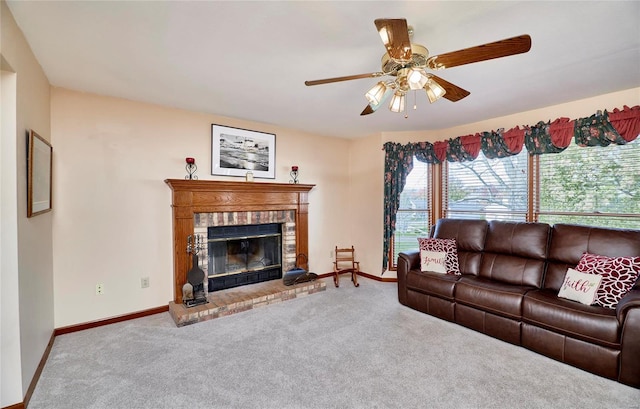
x=246, y=254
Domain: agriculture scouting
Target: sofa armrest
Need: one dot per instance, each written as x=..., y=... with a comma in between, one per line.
x=629, y=372
x=630, y=300
x=409, y=260
x=406, y=261
x=628, y=314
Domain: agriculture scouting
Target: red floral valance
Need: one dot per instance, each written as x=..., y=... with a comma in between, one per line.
x=561, y=131
x=596, y=130
x=626, y=122
x=600, y=129
x=440, y=149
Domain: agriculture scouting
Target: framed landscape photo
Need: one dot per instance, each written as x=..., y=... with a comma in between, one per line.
x=39, y=153
x=236, y=151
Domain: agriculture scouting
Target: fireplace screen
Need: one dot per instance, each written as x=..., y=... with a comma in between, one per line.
x=240, y=255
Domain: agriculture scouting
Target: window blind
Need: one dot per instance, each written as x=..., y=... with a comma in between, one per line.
x=487, y=188
x=597, y=186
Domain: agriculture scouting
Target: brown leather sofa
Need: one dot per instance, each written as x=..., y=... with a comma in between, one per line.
x=511, y=275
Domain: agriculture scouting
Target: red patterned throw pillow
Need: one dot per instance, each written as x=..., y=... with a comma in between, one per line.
x=619, y=274
x=446, y=245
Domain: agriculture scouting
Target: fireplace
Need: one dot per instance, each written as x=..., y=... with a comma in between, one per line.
x=199, y=205
x=245, y=254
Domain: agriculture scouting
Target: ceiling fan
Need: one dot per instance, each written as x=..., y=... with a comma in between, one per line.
x=408, y=63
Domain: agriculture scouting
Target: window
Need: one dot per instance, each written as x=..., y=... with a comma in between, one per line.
x=597, y=186
x=413, y=218
x=487, y=188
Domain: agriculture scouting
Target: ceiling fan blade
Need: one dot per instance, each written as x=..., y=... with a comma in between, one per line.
x=367, y=110
x=503, y=48
x=346, y=78
x=395, y=37
x=454, y=93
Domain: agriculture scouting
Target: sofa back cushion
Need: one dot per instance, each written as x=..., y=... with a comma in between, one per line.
x=515, y=252
x=470, y=236
x=569, y=242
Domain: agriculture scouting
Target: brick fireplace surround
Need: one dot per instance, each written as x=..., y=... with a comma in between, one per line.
x=200, y=204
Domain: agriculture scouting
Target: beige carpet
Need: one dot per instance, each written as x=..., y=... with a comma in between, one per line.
x=345, y=348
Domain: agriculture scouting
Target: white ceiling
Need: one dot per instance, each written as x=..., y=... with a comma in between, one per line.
x=249, y=60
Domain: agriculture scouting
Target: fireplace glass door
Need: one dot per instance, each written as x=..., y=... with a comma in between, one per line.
x=247, y=254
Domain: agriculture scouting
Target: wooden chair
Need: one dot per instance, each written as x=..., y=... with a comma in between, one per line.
x=345, y=263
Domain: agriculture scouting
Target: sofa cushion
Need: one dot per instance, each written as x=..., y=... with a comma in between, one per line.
x=528, y=240
x=469, y=236
x=581, y=287
x=440, y=285
x=619, y=274
x=492, y=296
x=515, y=253
x=441, y=245
x=589, y=323
x=568, y=243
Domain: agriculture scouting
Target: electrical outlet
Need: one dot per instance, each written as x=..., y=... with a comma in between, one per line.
x=99, y=289
x=144, y=282
x=330, y=253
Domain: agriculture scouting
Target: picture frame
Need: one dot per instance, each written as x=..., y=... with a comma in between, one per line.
x=39, y=175
x=237, y=151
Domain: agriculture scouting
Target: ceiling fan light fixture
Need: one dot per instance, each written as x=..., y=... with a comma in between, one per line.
x=384, y=35
x=405, y=65
x=434, y=91
x=417, y=78
x=397, y=102
x=377, y=93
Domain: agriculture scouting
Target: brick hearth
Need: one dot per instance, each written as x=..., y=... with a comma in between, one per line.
x=238, y=299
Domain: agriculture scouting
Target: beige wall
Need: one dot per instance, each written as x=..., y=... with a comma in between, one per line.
x=366, y=168
x=27, y=282
x=112, y=221
x=367, y=163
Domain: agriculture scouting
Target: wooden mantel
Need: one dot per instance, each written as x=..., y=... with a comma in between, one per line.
x=209, y=196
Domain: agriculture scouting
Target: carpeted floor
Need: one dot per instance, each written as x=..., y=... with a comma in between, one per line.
x=344, y=348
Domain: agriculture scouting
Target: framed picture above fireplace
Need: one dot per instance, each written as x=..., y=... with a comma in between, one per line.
x=236, y=151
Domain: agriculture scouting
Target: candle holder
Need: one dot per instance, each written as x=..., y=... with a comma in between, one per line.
x=191, y=169
x=294, y=175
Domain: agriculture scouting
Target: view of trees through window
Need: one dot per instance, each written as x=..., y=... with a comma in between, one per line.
x=598, y=186
x=412, y=219
x=487, y=188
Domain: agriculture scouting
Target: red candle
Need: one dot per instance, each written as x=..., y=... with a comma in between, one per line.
x=294, y=168
x=191, y=161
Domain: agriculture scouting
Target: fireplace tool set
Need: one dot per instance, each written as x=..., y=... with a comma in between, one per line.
x=194, y=292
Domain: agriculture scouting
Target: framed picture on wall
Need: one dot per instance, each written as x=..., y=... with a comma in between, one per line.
x=39, y=153
x=236, y=151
